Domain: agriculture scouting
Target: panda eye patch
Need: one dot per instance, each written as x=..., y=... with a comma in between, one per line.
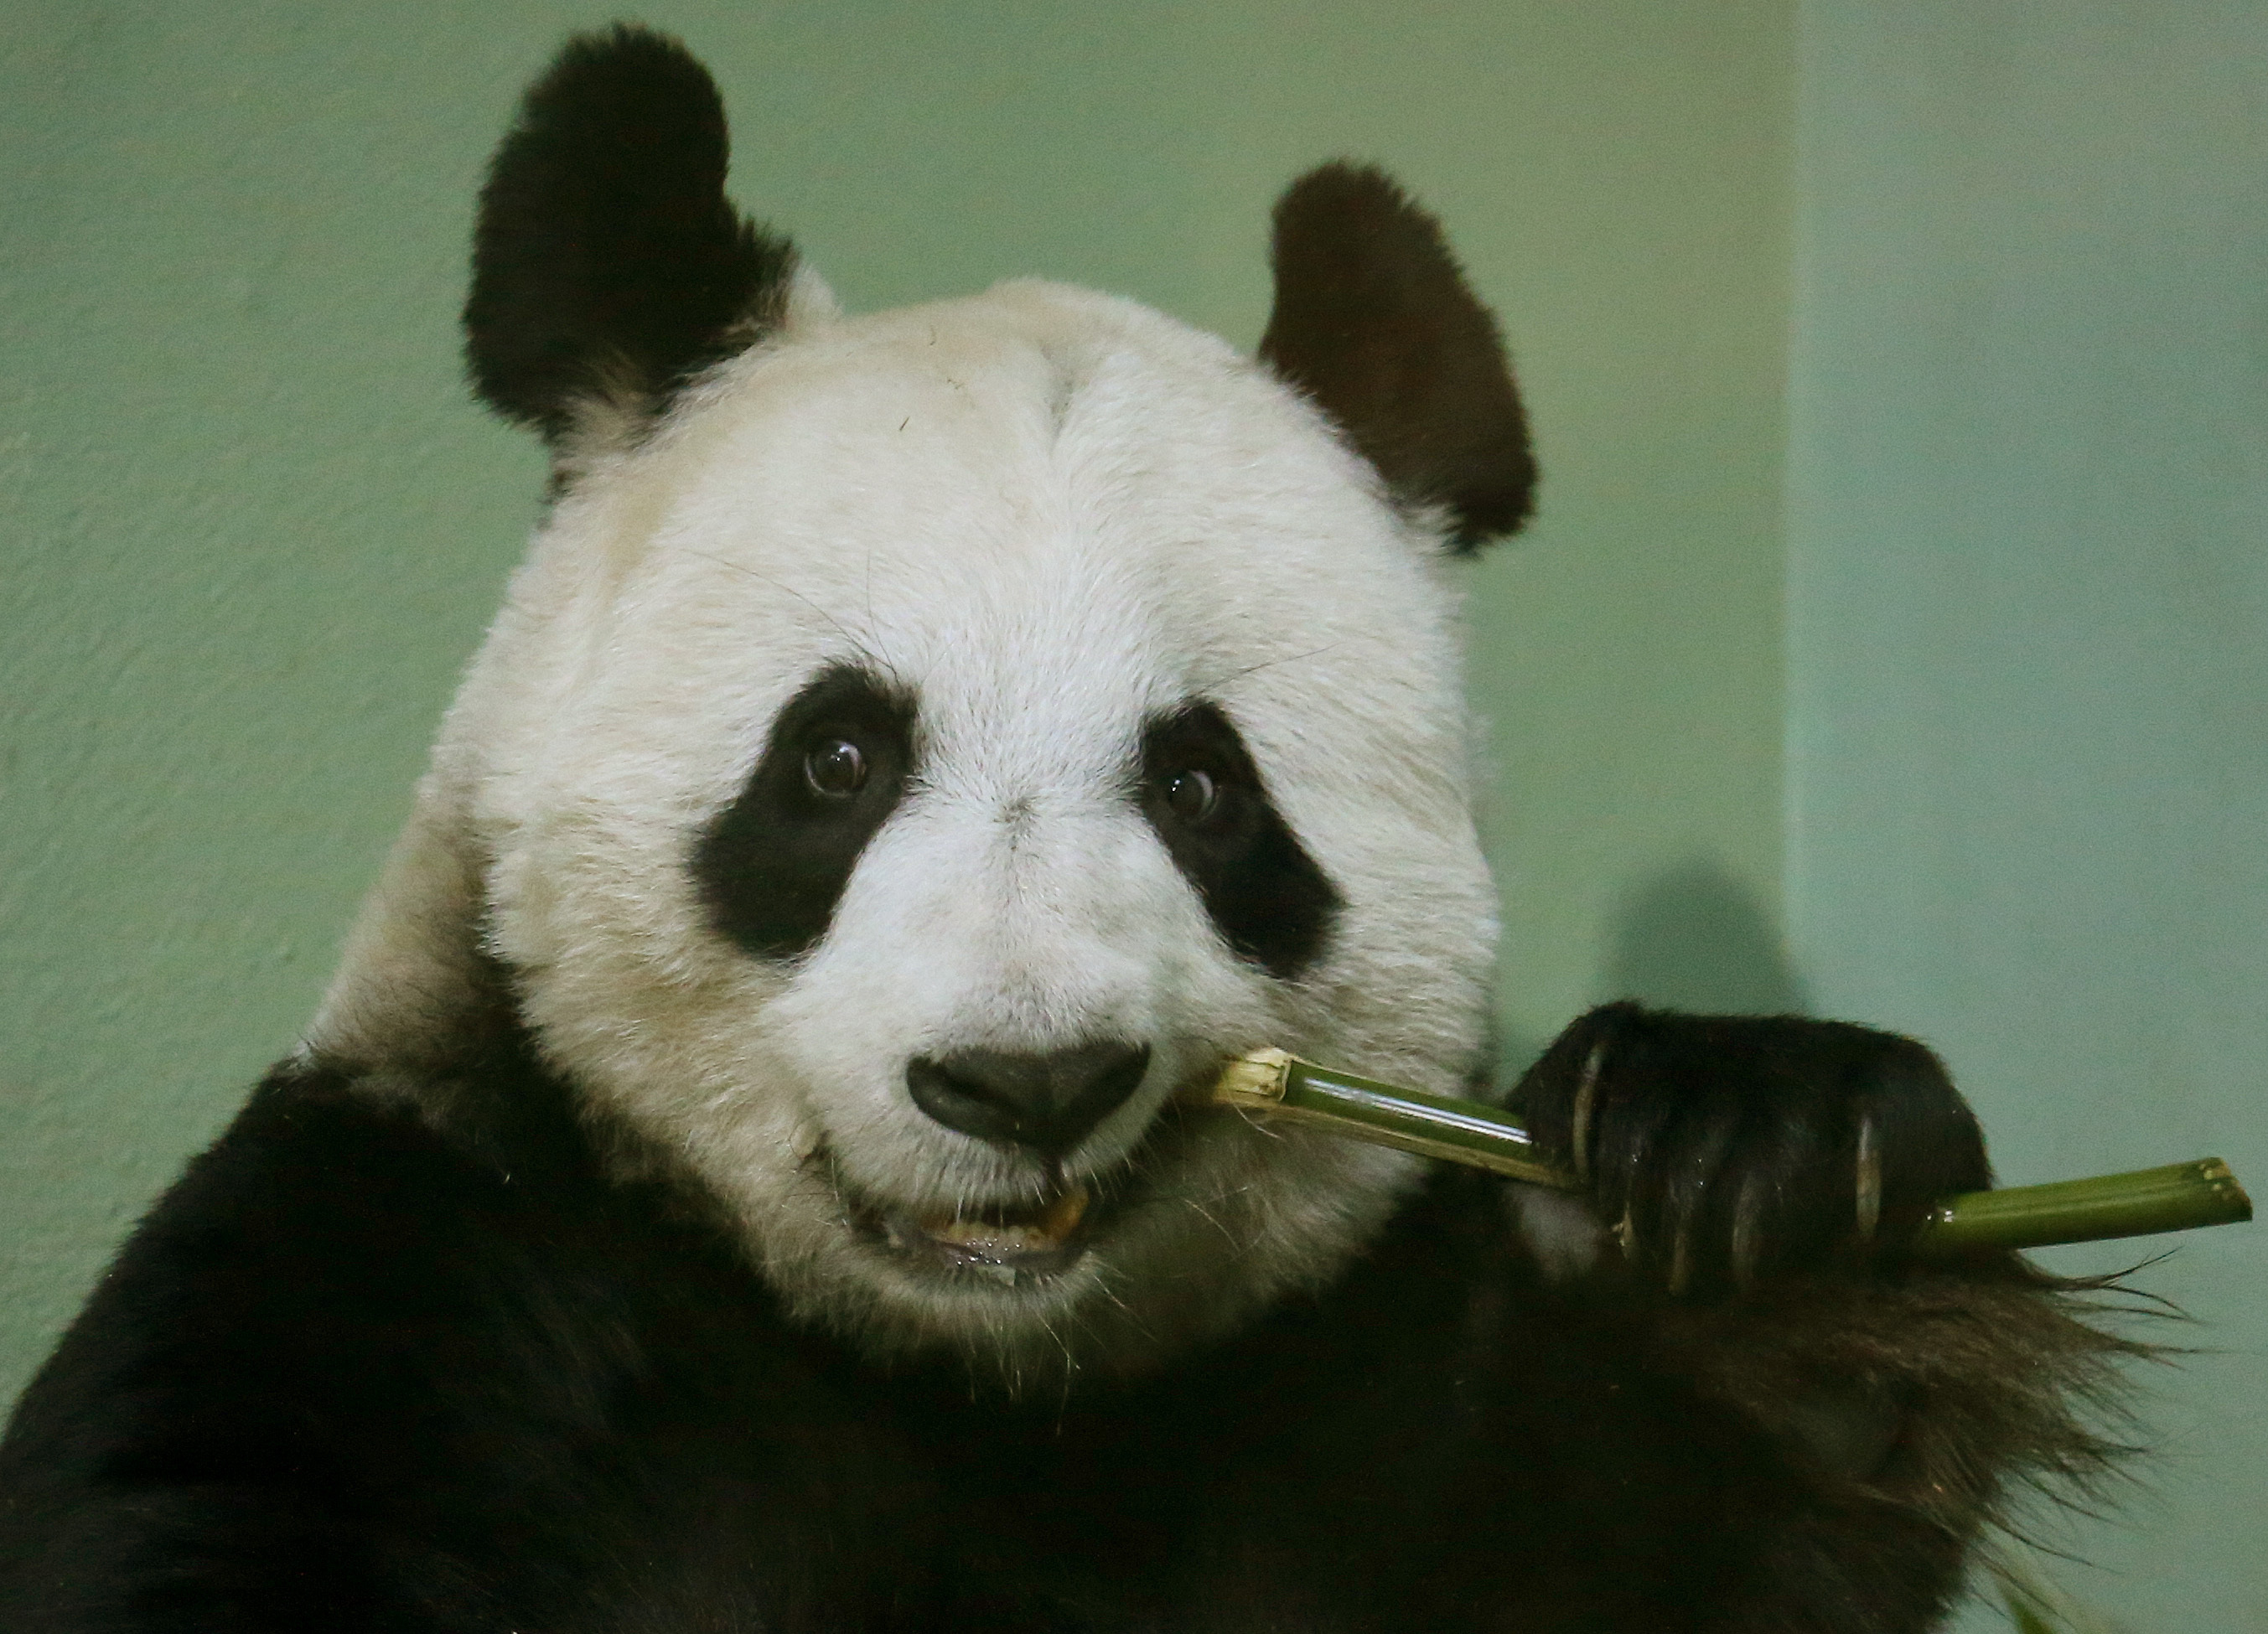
x=835, y=769
x=1204, y=798
x=770, y=867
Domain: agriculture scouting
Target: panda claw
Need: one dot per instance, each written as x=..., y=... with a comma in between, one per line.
x=1747, y=1209
x=1586, y=1095
x=805, y=1140
x=1869, y=1178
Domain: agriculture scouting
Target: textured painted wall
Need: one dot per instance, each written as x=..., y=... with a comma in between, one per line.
x=254, y=527
x=2029, y=658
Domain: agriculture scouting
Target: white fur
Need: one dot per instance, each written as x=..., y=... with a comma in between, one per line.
x=1048, y=514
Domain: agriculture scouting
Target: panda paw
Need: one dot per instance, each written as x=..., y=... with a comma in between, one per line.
x=1721, y=1152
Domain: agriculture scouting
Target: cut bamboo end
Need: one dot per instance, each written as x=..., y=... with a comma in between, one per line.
x=1256, y=1079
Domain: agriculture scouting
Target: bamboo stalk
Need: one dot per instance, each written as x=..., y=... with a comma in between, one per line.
x=2177, y=1197
x=2180, y=1197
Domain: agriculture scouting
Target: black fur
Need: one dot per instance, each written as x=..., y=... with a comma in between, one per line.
x=770, y=865
x=607, y=264
x=1266, y=895
x=1373, y=320
x=374, y=1368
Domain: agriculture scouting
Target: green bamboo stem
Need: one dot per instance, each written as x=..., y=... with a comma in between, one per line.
x=2180, y=1197
x=2177, y=1197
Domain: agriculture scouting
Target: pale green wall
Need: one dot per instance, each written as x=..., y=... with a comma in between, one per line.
x=2028, y=660
x=255, y=527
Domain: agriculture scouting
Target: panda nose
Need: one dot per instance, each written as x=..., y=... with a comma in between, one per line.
x=1048, y=1102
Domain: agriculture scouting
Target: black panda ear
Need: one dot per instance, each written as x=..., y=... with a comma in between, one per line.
x=607, y=264
x=1374, y=321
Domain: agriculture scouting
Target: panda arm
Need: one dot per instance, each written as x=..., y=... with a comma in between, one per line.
x=339, y=1337
x=1445, y=1439
x=1750, y=1180
x=1712, y=1402
x=202, y=1450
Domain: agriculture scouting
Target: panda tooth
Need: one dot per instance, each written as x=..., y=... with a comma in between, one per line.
x=1045, y=1229
x=1065, y=1213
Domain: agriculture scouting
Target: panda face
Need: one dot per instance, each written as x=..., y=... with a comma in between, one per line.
x=921, y=748
x=1022, y=679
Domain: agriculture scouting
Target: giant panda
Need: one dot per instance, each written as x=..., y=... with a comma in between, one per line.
x=751, y=1171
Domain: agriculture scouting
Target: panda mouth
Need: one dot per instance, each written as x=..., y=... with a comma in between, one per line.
x=1019, y=1239
x=1010, y=1243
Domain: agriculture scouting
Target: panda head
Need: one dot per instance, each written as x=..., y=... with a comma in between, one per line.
x=920, y=748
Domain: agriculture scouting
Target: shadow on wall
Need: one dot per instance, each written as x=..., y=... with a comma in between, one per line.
x=1696, y=938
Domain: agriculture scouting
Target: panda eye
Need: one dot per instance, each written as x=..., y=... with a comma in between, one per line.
x=835, y=769
x=1191, y=795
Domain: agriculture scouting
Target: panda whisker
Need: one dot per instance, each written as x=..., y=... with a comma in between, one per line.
x=1070, y=1357
x=1284, y=658
x=860, y=644
x=1258, y=1123
x=1206, y=1215
x=1103, y=1285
